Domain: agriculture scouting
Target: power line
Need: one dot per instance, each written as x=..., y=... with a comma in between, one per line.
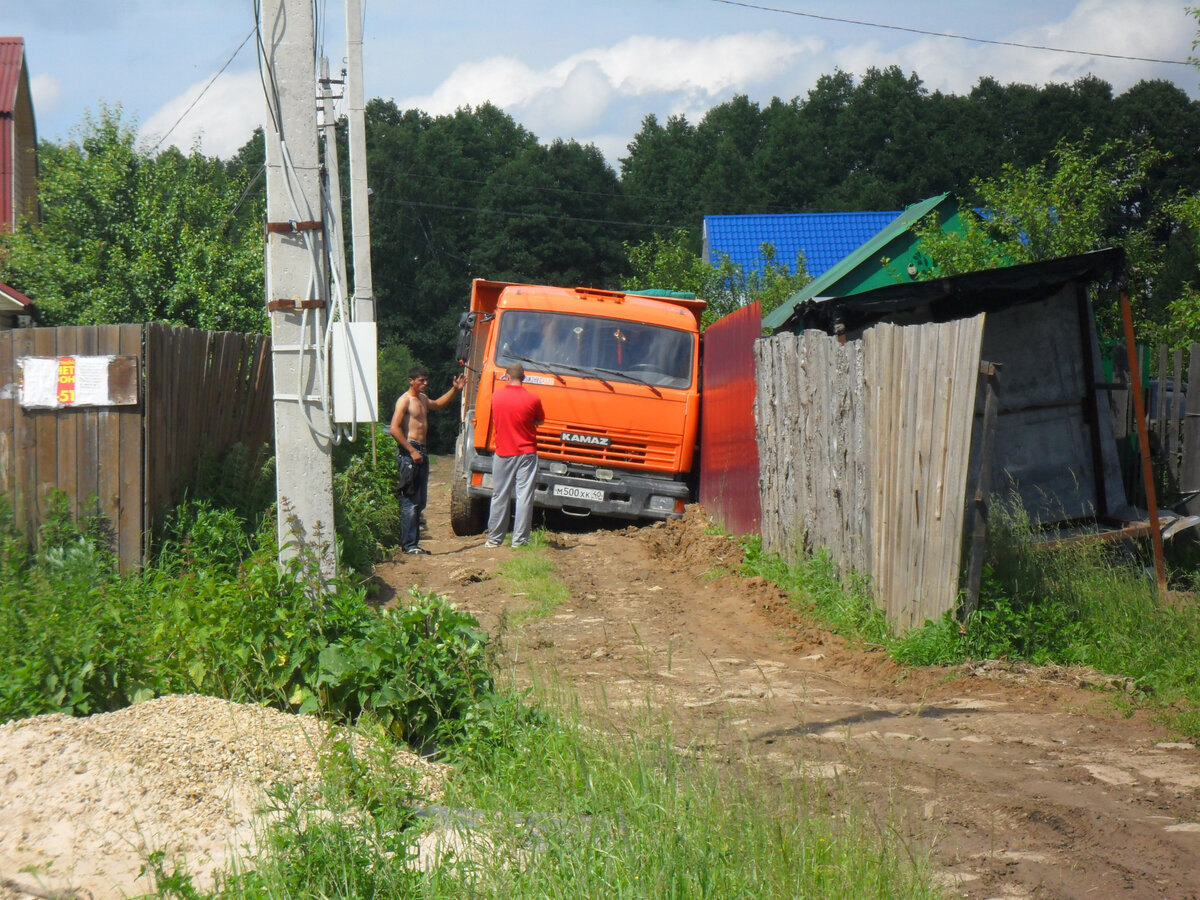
x=192, y=105
x=946, y=34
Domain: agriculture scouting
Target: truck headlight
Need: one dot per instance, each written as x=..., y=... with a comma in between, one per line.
x=662, y=504
x=557, y=468
x=604, y=474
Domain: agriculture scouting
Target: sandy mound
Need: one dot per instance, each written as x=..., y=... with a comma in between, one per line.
x=85, y=801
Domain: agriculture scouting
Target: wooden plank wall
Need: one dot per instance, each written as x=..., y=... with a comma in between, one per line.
x=864, y=449
x=205, y=391
x=923, y=382
x=92, y=454
x=1174, y=425
x=813, y=459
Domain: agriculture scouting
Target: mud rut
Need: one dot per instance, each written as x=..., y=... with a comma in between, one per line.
x=1016, y=783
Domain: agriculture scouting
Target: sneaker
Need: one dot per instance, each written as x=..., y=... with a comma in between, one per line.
x=418, y=551
x=492, y=545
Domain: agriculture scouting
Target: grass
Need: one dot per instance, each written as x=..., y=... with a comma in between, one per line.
x=530, y=574
x=544, y=806
x=1086, y=604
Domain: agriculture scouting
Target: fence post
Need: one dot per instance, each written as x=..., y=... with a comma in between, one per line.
x=1189, y=466
x=983, y=487
x=1139, y=411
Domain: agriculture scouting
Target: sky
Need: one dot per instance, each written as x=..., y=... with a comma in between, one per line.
x=588, y=71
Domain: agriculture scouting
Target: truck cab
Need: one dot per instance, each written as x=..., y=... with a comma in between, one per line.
x=618, y=375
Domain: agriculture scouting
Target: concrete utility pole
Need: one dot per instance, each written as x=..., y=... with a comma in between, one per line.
x=364, y=299
x=297, y=286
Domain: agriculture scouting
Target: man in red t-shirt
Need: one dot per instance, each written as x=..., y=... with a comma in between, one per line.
x=516, y=413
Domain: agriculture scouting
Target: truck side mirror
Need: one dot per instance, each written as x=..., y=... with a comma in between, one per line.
x=466, y=334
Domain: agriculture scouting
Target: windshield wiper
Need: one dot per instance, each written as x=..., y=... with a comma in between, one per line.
x=547, y=366
x=579, y=370
x=539, y=363
x=631, y=377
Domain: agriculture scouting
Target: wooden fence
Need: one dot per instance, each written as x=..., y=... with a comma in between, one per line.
x=195, y=390
x=864, y=450
x=1170, y=376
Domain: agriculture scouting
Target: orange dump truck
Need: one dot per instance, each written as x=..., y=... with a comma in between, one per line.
x=619, y=379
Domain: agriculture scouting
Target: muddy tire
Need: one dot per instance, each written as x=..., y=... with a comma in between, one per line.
x=468, y=515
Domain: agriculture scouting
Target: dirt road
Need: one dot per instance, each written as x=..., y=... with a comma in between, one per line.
x=1016, y=784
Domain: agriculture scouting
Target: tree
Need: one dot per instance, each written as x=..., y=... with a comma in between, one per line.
x=1055, y=208
x=131, y=237
x=551, y=215
x=666, y=262
x=1184, y=310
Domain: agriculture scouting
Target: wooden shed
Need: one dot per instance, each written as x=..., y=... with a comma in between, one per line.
x=885, y=418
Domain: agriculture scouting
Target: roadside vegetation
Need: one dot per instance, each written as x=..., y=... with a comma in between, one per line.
x=1084, y=604
x=537, y=802
x=541, y=806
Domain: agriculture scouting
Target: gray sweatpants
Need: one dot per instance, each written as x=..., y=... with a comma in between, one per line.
x=512, y=475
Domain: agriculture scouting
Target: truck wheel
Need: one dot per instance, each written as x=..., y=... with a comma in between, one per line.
x=468, y=515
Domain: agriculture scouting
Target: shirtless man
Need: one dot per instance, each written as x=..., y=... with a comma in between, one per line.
x=410, y=425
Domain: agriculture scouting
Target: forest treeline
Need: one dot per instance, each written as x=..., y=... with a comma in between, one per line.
x=171, y=237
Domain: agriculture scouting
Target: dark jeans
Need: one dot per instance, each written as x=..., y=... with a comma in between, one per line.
x=412, y=502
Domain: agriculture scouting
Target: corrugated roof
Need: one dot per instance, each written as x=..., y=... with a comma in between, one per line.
x=13, y=294
x=12, y=55
x=959, y=296
x=823, y=238
x=866, y=249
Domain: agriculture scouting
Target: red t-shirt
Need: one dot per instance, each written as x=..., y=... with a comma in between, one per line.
x=516, y=413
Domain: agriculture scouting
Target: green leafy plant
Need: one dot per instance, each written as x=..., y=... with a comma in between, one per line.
x=366, y=510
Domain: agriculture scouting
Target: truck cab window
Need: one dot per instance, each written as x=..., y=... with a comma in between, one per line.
x=617, y=349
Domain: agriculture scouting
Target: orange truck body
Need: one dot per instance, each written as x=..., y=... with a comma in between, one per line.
x=618, y=375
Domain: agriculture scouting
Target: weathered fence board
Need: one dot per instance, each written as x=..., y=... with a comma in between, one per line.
x=864, y=450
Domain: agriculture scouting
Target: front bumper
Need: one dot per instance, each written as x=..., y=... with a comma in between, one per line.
x=580, y=491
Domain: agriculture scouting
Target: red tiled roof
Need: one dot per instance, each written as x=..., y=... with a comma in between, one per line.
x=12, y=55
x=13, y=294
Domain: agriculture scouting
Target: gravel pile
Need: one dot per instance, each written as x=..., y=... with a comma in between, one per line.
x=83, y=802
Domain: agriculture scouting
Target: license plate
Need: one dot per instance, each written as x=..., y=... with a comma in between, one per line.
x=578, y=493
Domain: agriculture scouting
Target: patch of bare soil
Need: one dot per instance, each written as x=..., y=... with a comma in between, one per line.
x=1015, y=781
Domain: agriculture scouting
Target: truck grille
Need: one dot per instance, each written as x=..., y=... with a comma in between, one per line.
x=623, y=449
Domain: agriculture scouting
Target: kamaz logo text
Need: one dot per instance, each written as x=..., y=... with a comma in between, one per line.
x=595, y=440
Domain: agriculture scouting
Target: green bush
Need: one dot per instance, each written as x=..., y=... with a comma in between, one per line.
x=219, y=615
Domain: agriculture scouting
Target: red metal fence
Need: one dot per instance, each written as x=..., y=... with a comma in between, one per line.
x=728, y=447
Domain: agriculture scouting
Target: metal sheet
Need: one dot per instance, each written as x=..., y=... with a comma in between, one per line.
x=728, y=447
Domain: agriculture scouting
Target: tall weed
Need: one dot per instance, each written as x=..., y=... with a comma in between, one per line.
x=366, y=509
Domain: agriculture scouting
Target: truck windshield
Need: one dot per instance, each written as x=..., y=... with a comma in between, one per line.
x=622, y=351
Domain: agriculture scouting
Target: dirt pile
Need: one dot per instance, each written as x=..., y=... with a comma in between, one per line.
x=85, y=801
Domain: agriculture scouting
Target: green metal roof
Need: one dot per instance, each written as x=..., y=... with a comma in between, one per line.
x=868, y=254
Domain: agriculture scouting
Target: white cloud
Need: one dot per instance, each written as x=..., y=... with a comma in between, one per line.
x=1158, y=29
x=222, y=120
x=46, y=91
x=578, y=90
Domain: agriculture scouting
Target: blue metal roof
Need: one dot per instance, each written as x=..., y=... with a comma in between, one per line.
x=824, y=238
